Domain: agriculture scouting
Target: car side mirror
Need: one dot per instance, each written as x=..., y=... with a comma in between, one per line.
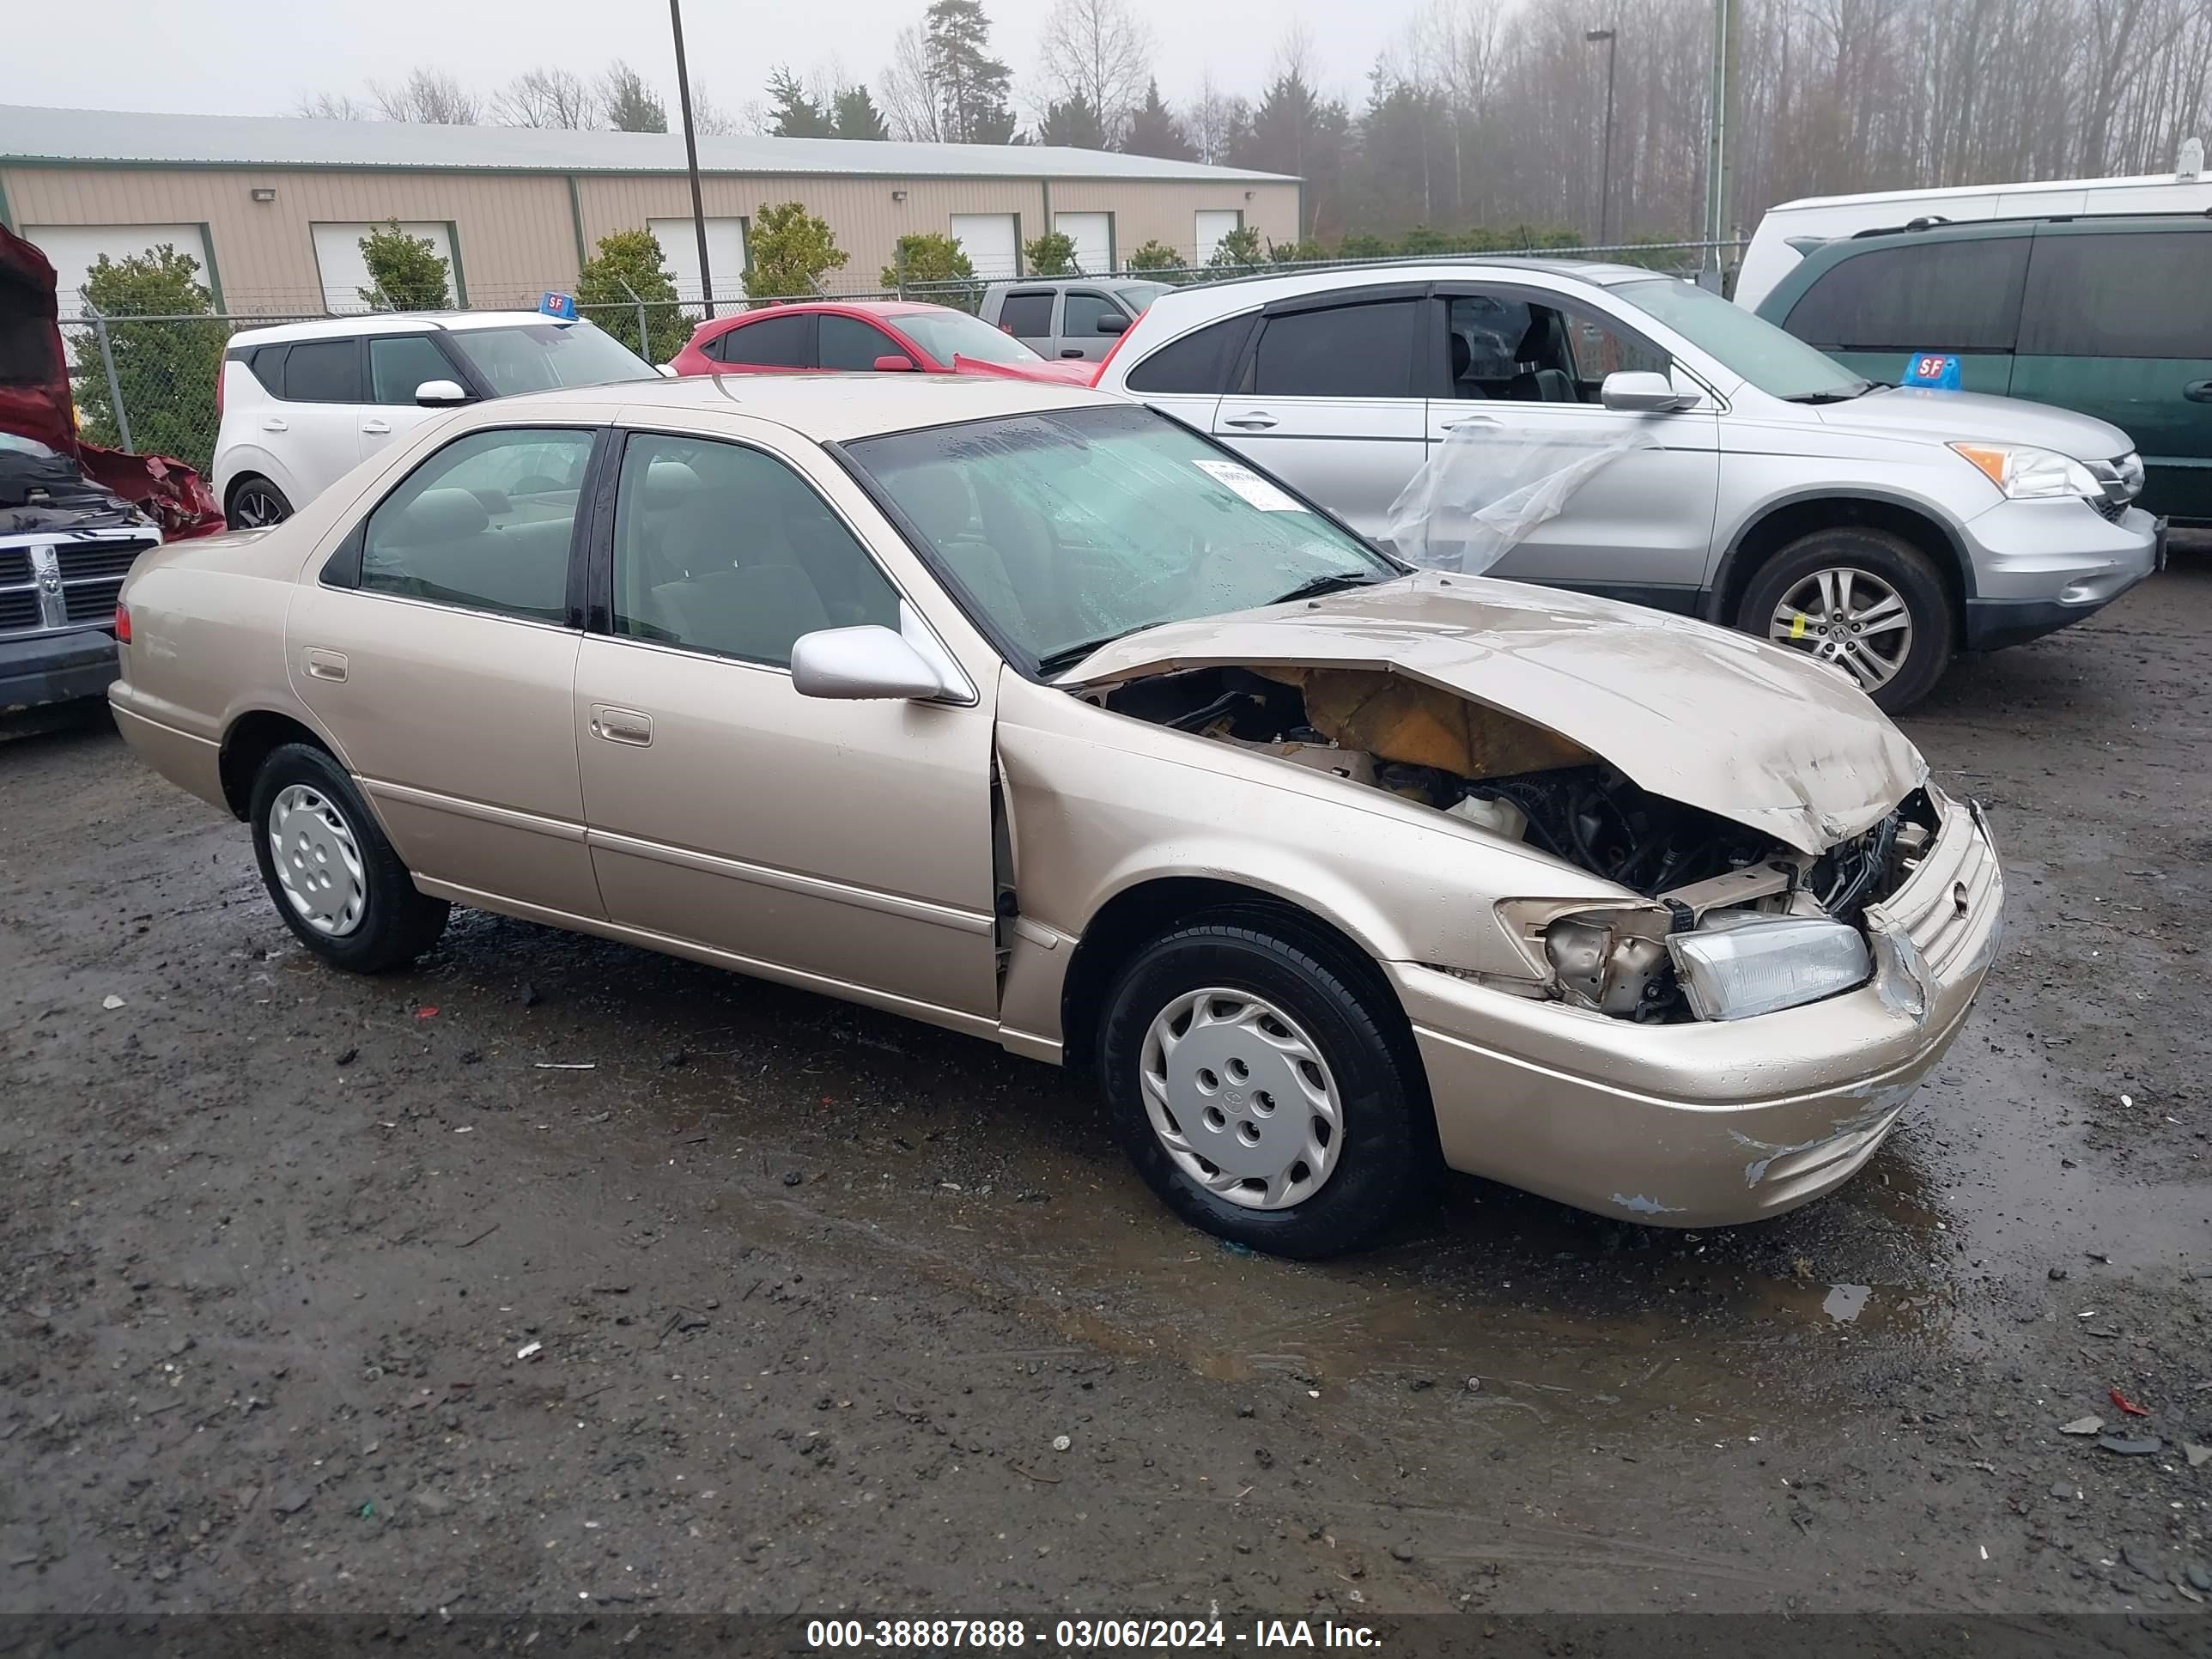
x=440, y=394
x=1112, y=323
x=1640, y=392
x=668, y=370
x=894, y=362
x=854, y=665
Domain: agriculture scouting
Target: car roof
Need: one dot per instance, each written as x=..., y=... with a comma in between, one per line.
x=851, y=307
x=827, y=407
x=2021, y=223
x=1236, y=293
x=388, y=322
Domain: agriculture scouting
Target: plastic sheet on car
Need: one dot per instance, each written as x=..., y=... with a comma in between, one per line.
x=1486, y=488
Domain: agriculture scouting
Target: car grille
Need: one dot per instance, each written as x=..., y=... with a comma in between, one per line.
x=2109, y=509
x=77, y=586
x=1941, y=903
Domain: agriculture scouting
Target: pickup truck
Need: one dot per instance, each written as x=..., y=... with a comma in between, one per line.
x=1077, y=317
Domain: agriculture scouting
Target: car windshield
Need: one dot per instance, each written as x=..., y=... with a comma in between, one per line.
x=1138, y=295
x=1780, y=365
x=945, y=335
x=540, y=356
x=1069, y=528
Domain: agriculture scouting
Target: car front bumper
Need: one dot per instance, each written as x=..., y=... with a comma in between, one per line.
x=1708, y=1123
x=2041, y=565
x=40, y=669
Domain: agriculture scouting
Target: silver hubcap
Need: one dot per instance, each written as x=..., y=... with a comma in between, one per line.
x=258, y=509
x=1242, y=1098
x=1848, y=617
x=318, y=862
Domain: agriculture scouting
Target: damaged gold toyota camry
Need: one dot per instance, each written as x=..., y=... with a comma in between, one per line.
x=1036, y=715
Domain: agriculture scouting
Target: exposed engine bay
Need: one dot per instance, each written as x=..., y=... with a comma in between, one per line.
x=1705, y=877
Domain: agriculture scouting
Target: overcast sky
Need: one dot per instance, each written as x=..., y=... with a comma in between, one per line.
x=257, y=57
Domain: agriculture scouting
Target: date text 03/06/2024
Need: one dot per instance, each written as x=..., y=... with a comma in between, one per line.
x=986, y=1635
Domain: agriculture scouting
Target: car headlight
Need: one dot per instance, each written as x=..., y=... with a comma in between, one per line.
x=1738, y=962
x=2026, y=473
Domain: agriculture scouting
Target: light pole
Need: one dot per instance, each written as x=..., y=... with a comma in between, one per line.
x=1605, y=167
x=691, y=155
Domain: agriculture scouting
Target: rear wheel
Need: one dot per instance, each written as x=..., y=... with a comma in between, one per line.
x=335, y=879
x=255, y=504
x=1255, y=1085
x=1867, y=601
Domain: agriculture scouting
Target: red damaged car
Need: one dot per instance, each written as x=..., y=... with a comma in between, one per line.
x=73, y=515
x=867, y=336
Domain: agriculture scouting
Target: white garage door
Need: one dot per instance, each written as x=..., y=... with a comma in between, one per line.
x=990, y=241
x=726, y=255
x=75, y=249
x=1094, y=240
x=344, y=273
x=1211, y=227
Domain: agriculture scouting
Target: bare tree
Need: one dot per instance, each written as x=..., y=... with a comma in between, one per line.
x=546, y=98
x=1213, y=120
x=1100, y=52
x=709, y=119
x=432, y=95
x=330, y=106
x=908, y=91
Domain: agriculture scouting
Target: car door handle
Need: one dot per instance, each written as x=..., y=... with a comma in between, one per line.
x=377, y=426
x=272, y=423
x=1469, y=420
x=620, y=725
x=1257, y=421
x=323, y=665
x=1071, y=351
x=2198, y=392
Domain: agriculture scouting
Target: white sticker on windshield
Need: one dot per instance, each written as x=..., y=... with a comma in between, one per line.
x=1250, y=485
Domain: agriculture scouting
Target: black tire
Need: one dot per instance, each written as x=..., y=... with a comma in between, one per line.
x=1909, y=572
x=395, y=923
x=1386, y=1158
x=245, y=510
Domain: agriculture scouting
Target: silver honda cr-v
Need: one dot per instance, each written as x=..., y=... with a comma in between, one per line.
x=1770, y=488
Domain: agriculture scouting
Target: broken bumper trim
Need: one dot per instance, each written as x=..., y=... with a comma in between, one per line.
x=1703, y=1124
x=50, y=668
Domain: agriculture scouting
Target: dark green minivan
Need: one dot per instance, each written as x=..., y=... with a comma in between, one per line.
x=2109, y=316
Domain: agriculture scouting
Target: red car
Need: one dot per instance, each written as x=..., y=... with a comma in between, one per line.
x=878, y=336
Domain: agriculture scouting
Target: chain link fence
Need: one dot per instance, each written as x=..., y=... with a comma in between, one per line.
x=149, y=383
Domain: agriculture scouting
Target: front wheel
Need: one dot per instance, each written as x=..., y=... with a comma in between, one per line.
x=336, y=880
x=1869, y=602
x=1256, y=1086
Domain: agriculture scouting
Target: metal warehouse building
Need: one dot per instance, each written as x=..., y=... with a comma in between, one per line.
x=275, y=208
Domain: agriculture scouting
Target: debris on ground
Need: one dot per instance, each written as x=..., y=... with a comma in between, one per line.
x=2145, y=1445
x=2083, y=1426
x=2128, y=1405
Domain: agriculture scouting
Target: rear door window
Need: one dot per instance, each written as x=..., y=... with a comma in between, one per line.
x=1200, y=361
x=771, y=343
x=484, y=524
x=267, y=363
x=1027, y=316
x=322, y=371
x=2119, y=294
x=1338, y=351
x=1923, y=296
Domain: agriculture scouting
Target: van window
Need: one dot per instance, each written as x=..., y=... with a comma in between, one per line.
x=2119, y=294
x=398, y=363
x=1922, y=296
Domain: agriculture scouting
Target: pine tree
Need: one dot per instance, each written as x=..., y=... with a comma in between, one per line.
x=1074, y=122
x=971, y=84
x=1154, y=131
x=857, y=116
x=791, y=114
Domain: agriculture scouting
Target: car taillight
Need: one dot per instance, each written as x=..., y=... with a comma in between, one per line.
x=122, y=624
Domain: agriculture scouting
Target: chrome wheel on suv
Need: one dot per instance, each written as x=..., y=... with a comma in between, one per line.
x=1850, y=617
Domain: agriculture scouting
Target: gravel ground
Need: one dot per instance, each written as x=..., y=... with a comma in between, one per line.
x=329, y=1294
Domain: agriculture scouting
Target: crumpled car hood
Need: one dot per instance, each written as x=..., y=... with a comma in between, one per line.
x=1714, y=719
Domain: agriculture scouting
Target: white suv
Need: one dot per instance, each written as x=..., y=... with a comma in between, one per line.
x=304, y=403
